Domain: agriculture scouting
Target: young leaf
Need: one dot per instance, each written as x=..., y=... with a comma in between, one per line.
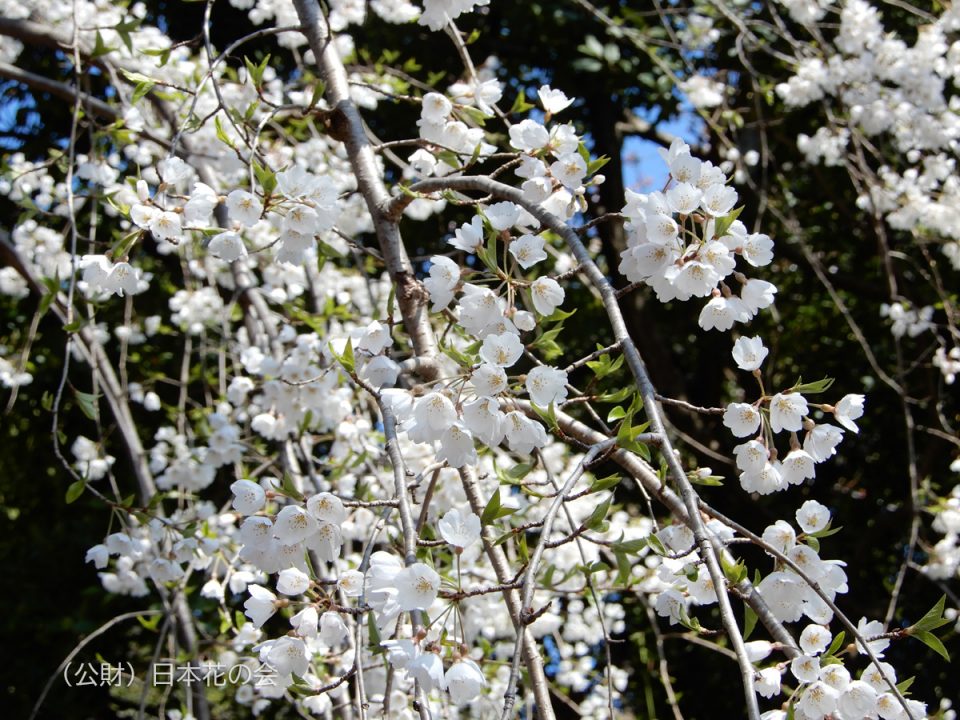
x=932, y=642
x=75, y=491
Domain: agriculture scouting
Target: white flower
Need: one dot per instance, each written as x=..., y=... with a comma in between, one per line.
x=172, y=170
x=684, y=198
x=464, y=680
x=305, y=622
x=849, y=409
x=553, y=101
x=858, y=700
x=351, y=582
x=288, y=656
x=813, y=517
x=797, y=466
x=257, y=532
x=380, y=371
x=764, y=481
x=670, y=604
x=444, y=276
x=293, y=582
x=248, y=497
x=757, y=249
x=501, y=350
x=751, y=456
x=749, y=353
x=436, y=107
x=459, y=529
x=503, y=215
x=99, y=555
x=868, y=629
x=757, y=294
x=333, y=630
x=569, y=169
x=469, y=236
x=484, y=420
x=456, y=446
x=815, y=639
x=718, y=200
x=260, y=605
x=525, y=321
x=743, y=419
x=228, y=246
x=423, y=162
x=326, y=542
x=296, y=183
x=821, y=441
x=784, y=593
x=547, y=295
x=528, y=135
x=780, y=536
x=721, y=313
x=523, y=434
x=528, y=250
x=818, y=699
x=836, y=676
x=427, y=669
x=758, y=650
x=433, y=414
x=244, y=207
x=203, y=199
x=805, y=668
x=489, y=380
x=327, y=508
x=546, y=385
x=417, y=587
x=294, y=525
x=121, y=279
x=166, y=225
x=693, y=278
x=787, y=411
x=768, y=684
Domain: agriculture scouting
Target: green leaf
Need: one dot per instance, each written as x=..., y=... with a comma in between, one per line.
x=749, y=621
x=933, y=619
x=492, y=509
x=123, y=29
x=599, y=514
x=141, y=89
x=606, y=483
x=618, y=396
x=374, y=633
x=932, y=642
x=346, y=359
x=905, y=685
x=289, y=489
x=100, y=48
x=836, y=644
x=812, y=388
x=318, y=90
x=150, y=622
x=520, y=104
x=221, y=134
x=618, y=413
x=477, y=116
x=87, y=403
x=266, y=178
x=630, y=547
x=548, y=415
x=722, y=224
x=75, y=491
x=519, y=471
x=594, y=166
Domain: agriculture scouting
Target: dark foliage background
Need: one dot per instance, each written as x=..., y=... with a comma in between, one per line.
x=52, y=599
